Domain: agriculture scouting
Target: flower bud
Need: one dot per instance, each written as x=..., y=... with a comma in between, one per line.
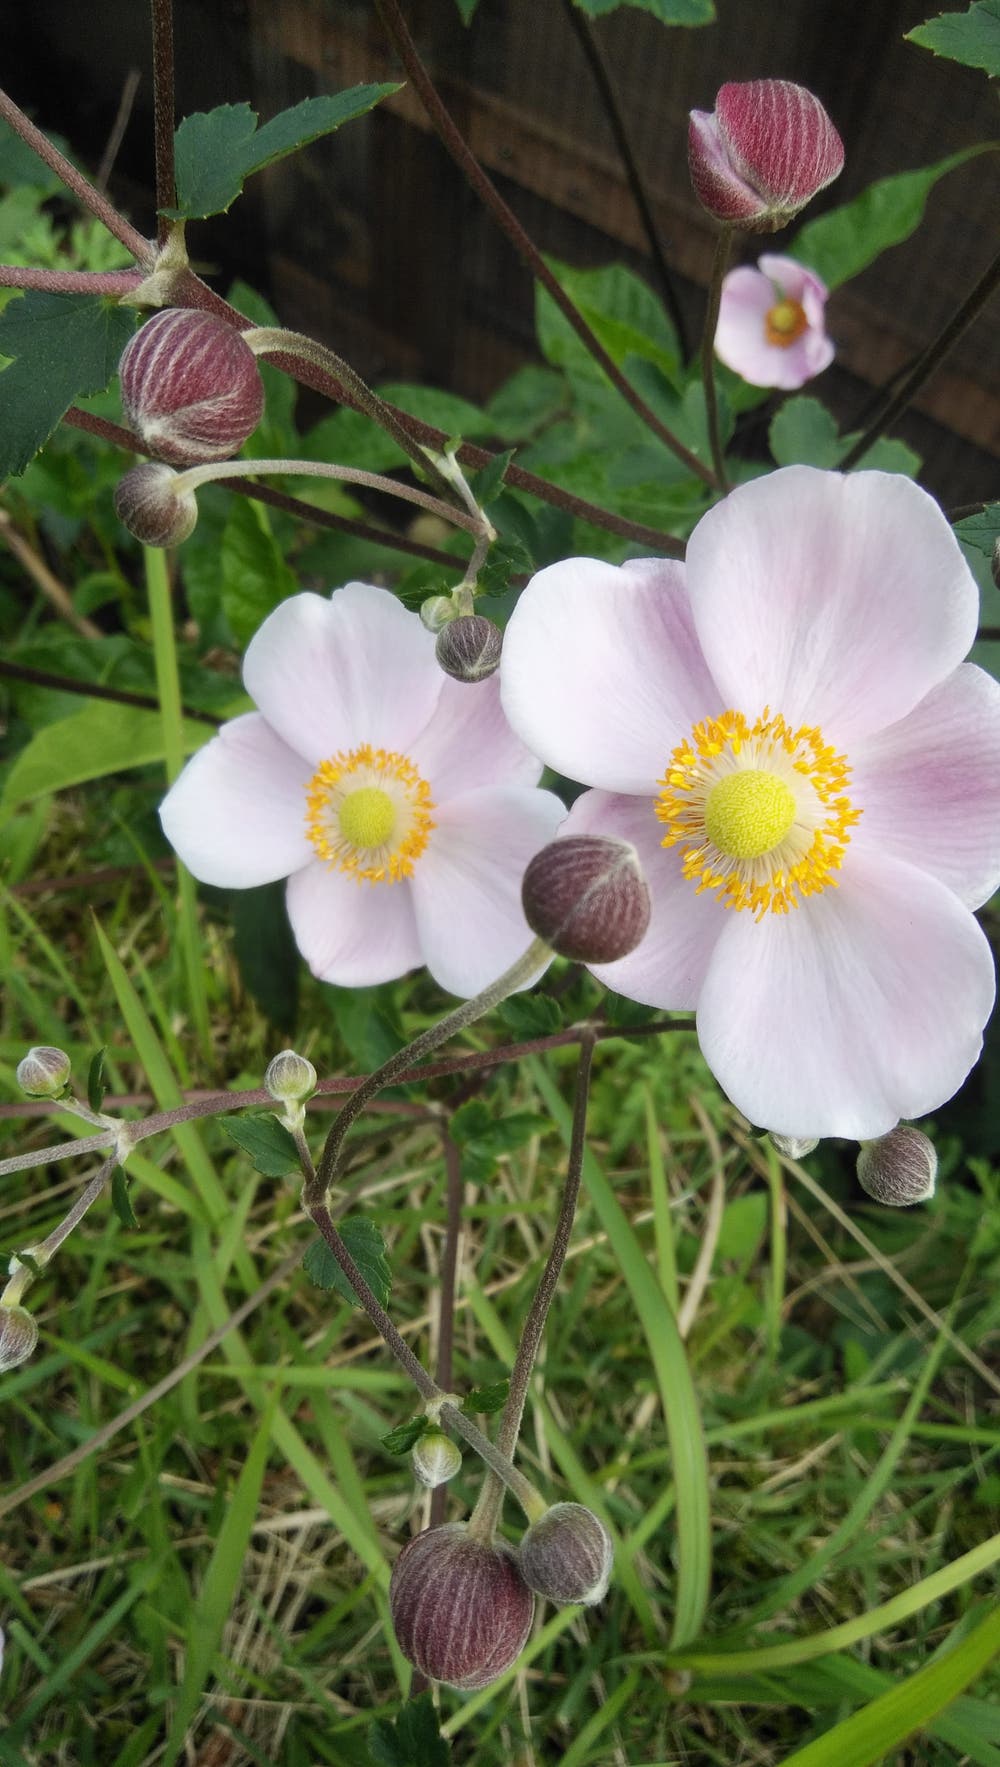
x=18, y=1337
x=762, y=154
x=436, y=612
x=794, y=1147
x=567, y=1555
x=43, y=1072
x=190, y=386
x=898, y=1168
x=149, y=507
x=586, y=897
x=460, y=1607
x=468, y=649
x=436, y=1458
x=290, y=1077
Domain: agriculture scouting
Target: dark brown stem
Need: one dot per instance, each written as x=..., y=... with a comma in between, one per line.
x=95, y=690
x=142, y=249
x=963, y=511
x=927, y=363
x=529, y=254
x=163, y=112
x=587, y=38
x=108, y=282
x=723, y=247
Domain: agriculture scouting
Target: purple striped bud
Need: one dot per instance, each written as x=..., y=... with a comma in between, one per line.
x=567, y=1555
x=149, y=507
x=586, y=896
x=190, y=386
x=468, y=648
x=762, y=154
x=461, y=1608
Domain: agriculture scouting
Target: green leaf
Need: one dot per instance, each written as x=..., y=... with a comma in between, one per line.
x=530, y=1015
x=255, y=577
x=65, y=346
x=620, y=309
x=413, y=1739
x=982, y=530
x=669, y=12
x=217, y=149
x=804, y=433
x=272, y=1151
x=489, y=482
x=104, y=738
x=467, y=10
x=846, y=240
x=972, y=37
x=366, y=1246
x=368, y=1024
x=402, y=1438
x=96, y=1087
x=486, y=1400
x=121, y=1202
x=508, y=557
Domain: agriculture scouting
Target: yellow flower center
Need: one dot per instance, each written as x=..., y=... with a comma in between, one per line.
x=368, y=814
x=760, y=811
x=784, y=322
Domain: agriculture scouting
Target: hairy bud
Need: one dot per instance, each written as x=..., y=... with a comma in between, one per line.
x=468, y=649
x=190, y=386
x=43, y=1072
x=436, y=1458
x=18, y=1337
x=290, y=1077
x=567, y=1555
x=794, y=1147
x=762, y=154
x=149, y=507
x=899, y=1168
x=586, y=896
x=461, y=1608
x=436, y=612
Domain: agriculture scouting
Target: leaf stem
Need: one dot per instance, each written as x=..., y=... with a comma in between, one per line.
x=723, y=247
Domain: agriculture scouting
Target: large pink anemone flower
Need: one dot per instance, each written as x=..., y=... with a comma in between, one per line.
x=770, y=327
x=786, y=732
x=398, y=803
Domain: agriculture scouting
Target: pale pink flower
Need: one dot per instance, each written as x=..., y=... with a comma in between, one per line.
x=762, y=154
x=785, y=731
x=770, y=327
x=399, y=804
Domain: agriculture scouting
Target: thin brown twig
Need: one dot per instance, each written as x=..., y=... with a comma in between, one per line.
x=55, y=593
x=95, y=689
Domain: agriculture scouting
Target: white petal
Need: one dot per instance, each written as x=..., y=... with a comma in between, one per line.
x=601, y=673
x=467, y=885
x=350, y=931
x=330, y=674
x=837, y=600
x=865, y=1005
x=469, y=743
x=236, y=815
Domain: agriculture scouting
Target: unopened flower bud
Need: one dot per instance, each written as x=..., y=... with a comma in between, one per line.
x=290, y=1077
x=468, y=649
x=43, y=1072
x=794, y=1147
x=567, y=1555
x=437, y=611
x=460, y=1607
x=190, y=386
x=436, y=1458
x=149, y=507
x=899, y=1168
x=762, y=154
x=586, y=896
x=18, y=1337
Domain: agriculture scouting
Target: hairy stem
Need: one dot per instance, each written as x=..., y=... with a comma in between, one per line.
x=163, y=112
x=143, y=250
x=106, y=282
x=193, y=476
x=723, y=247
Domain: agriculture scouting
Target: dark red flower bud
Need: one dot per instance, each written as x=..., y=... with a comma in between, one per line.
x=460, y=1607
x=567, y=1555
x=899, y=1168
x=586, y=897
x=148, y=506
x=190, y=386
x=762, y=154
x=468, y=648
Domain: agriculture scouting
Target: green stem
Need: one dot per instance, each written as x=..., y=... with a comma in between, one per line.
x=723, y=248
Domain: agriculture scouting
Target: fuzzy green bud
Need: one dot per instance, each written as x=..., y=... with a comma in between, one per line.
x=44, y=1072
x=18, y=1337
x=794, y=1147
x=290, y=1077
x=436, y=1458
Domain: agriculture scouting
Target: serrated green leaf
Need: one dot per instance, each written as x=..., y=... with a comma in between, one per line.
x=366, y=1246
x=804, y=433
x=104, y=738
x=401, y=1439
x=626, y=1014
x=64, y=347
x=530, y=1015
x=982, y=530
x=508, y=557
x=486, y=1400
x=843, y=242
x=216, y=150
x=95, y=1080
x=411, y=1740
x=669, y=12
x=972, y=38
x=471, y=1119
x=489, y=482
x=272, y=1151
x=255, y=577
x=484, y=1139
x=121, y=1202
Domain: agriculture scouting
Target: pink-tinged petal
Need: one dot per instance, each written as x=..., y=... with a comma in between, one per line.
x=779, y=139
x=865, y=1005
x=668, y=968
x=717, y=184
x=469, y=743
x=332, y=673
x=802, y=361
x=601, y=674
x=929, y=786
x=467, y=885
x=351, y=932
x=236, y=815
x=742, y=339
x=837, y=600
x=796, y=282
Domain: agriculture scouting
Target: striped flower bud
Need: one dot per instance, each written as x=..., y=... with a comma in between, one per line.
x=460, y=1607
x=899, y=1168
x=586, y=896
x=567, y=1555
x=762, y=154
x=149, y=507
x=436, y=1458
x=43, y=1072
x=468, y=648
x=18, y=1337
x=290, y=1077
x=190, y=386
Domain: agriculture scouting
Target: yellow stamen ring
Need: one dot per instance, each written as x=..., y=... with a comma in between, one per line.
x=784, y=323
x=368, y=814
x=760, y=810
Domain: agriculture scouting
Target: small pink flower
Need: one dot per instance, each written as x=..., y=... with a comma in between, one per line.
x=770, y=327
x=399, y=804
x=762, y=154
x=785, y=731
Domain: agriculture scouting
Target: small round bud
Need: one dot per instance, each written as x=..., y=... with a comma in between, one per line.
x=149, y=507
x=567, y=1555
x=794, y=1147
x=460, y=1607
x=436, y=1459
x=43, y=1072
x=437, y=611
x=18, y=1337
x=468, y=649
x=898, y=1168
x=190, y=386
x=290, y=1077
x=586, y=897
